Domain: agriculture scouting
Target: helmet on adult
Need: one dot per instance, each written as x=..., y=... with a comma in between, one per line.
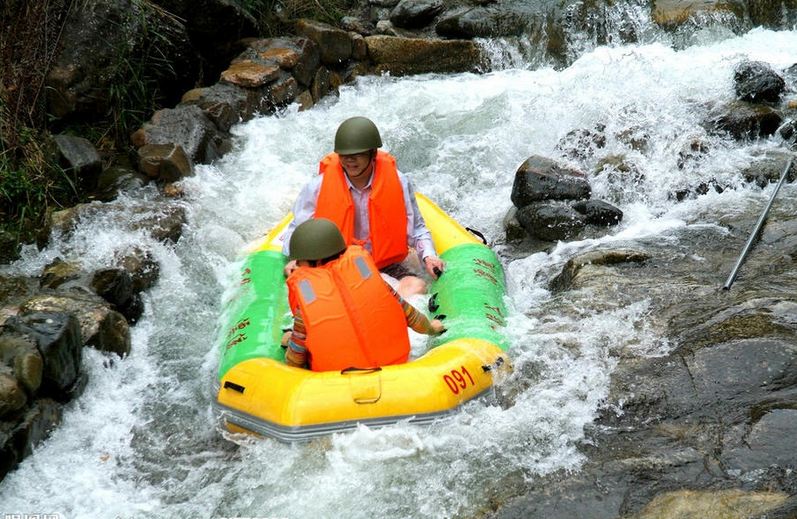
x=316, y=239
x=357, y=135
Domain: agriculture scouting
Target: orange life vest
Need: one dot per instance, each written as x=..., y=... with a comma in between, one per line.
x=387, y=214
x=350, y=316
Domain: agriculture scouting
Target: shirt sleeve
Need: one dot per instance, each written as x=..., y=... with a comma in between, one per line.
x=415, y=319
x=296, y=354
x=418, y=234
x=303, y=209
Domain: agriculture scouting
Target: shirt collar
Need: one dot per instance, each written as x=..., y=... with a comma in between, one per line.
x=352, y=186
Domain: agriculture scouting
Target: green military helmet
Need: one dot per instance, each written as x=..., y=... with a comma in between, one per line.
x=357, y=135
x=316, y=239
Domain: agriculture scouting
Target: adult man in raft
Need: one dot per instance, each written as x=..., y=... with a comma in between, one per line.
x=345, y=314
x=372, y=203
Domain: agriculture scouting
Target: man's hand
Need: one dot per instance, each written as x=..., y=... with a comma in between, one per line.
x=431, y=263
x=437, y=326
x=290, y=267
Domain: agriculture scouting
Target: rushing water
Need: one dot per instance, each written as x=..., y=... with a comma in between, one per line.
x=141, y=441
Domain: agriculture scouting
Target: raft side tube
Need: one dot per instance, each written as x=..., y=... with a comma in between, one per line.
x=439, y=381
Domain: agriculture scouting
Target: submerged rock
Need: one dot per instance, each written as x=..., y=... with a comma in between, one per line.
x=744, y=120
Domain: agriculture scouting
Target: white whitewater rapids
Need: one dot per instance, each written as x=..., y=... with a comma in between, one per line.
x=141, y=441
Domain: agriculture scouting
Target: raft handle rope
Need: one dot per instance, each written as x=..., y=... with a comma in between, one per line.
x=757, y=229
x=477, y=233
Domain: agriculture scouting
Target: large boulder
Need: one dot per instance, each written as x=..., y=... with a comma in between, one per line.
x=124, y=44
x=100, y=327
x=224, y=104
x=59, y=339
x=12, y=396
x=402, y=56
x=186, y=126
x=598, y=212
x=164, y=162
x=540, y=178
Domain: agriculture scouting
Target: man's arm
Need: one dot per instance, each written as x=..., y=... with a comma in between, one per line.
x=417, y=232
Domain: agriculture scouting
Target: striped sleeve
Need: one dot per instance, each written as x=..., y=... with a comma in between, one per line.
x=296, y=354
x=415, y=319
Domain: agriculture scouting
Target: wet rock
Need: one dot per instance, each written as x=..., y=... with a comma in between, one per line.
x=58, y=338
x=551, y=221
x=619, y=169
x=565, y=279
x=540, y=178
x=164, y=162
x=359, y=49
x=788, y=132
x=19, y=352
x=755, y=81
x=100, y=327
x=12, y=397
x=117, y=179
x=692, y=152
x=635, y=138
x=80, y=159
x=163, y=222
x=334, y=43
x=113, y=284
x=141, y=266
x=132, y=309
x=599, y=212
x=59, y=272
x=283, y=91
x=320, y=86
x=768, y=167
x=17, y=439
x=402, y=56
x=744, y=120
x=305, y=100
x=582, y=143
x=300, y=56
x=384, y=3
x=413, y=14
x=771, y=14
x=514, y=231
x=224, y=104
x=490, y=21
x=185, y=126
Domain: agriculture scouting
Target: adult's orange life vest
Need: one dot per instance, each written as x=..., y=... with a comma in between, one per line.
x=387, y=214
x=351, y=317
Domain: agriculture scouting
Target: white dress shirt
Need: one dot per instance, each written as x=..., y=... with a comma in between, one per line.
x=418, y=236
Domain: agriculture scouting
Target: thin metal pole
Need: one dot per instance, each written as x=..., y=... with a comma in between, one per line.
x=757, y=229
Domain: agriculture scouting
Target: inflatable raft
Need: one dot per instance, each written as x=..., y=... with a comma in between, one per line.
x=258, y=393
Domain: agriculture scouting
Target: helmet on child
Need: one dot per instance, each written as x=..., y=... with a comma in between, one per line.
x=316, y=239
x=357, y=135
